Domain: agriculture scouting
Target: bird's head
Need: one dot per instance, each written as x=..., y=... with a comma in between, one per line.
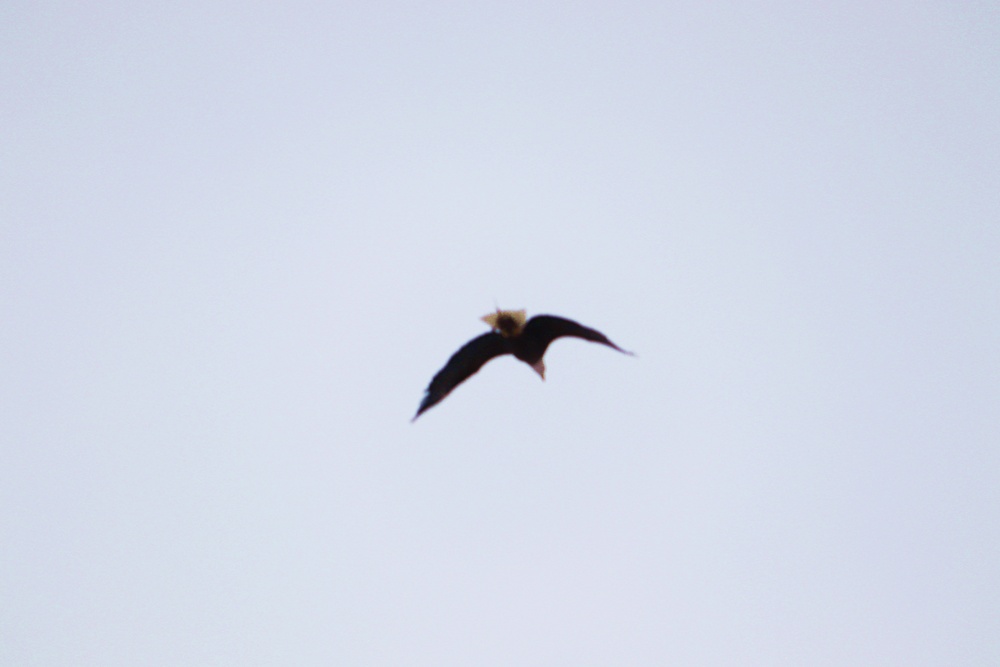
x=508, y=323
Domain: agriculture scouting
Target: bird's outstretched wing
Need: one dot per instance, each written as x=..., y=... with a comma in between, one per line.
x=462, y=365
x=543, y=329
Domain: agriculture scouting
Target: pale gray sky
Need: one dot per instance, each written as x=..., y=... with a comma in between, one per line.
x=238, y=239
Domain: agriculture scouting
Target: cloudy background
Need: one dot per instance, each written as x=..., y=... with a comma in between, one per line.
x=237, y=240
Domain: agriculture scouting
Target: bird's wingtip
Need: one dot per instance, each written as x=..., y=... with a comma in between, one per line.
x=624, y=351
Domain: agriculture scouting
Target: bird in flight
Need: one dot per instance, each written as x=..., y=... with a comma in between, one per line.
x=511, y=333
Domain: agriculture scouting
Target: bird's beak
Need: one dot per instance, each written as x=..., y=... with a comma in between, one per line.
x=539, y=367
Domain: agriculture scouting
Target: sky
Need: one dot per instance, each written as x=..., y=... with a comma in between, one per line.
x=238, y=239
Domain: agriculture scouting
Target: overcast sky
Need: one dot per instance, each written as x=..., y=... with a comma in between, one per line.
x=238, y=239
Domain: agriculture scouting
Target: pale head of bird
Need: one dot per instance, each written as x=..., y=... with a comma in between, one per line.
x=507, y=323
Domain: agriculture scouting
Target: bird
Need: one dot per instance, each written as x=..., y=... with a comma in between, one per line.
x=510, y=333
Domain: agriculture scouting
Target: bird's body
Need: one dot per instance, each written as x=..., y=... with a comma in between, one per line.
x=512, y=333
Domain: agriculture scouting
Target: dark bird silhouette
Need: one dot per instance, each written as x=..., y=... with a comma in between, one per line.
x=511, y=334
